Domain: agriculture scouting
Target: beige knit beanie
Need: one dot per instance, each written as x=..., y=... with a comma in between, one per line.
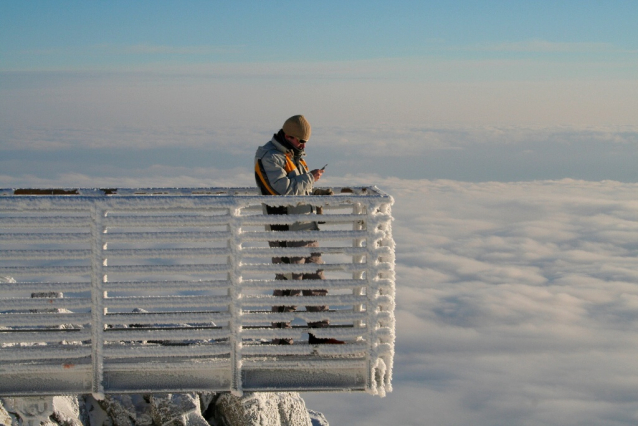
x=298, y=127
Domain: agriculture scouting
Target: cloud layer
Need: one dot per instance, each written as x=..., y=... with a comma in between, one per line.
x=517, y=305
x=472, y=153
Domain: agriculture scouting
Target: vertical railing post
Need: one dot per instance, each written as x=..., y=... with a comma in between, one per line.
x=371, y=335
x=97, y=299
x=382, y=283
x=235, y=293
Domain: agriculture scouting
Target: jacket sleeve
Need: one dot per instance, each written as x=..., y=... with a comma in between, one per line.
x=273, y=166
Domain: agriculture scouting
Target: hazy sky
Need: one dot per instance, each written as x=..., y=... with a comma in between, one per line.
x=479, y=91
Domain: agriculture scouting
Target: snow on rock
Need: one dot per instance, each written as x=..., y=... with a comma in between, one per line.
x=177, y=409
x=120, y=409
x=67, y=411
x=95, y=414
x=292, y=409
x=187, y=409
x=262, y=409
x=317, y=418
x=28, y=411
x=5, y=418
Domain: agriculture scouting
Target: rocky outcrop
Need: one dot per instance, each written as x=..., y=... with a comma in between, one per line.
x=185, y=409
x=178, y=409
x=262, y=409
x=317, y=418
x=67, y=411
x=5, y=418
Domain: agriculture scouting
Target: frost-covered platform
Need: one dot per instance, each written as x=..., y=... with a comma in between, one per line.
x=170, y=290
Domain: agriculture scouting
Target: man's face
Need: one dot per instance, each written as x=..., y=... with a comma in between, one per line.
x=296, y=142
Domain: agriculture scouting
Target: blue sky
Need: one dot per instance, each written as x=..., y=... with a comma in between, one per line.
x=485, y=90
x=39, y=35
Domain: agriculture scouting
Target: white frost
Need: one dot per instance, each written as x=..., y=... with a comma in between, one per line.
x=158, y=279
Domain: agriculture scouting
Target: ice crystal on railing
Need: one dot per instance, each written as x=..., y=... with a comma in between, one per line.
x=173, y=289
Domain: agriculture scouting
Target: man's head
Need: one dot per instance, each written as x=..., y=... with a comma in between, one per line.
x=297, y=130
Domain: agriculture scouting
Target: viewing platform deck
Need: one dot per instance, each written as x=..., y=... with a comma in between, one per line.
x=171, y=290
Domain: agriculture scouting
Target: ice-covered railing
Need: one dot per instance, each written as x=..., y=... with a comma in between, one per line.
x=170, y=290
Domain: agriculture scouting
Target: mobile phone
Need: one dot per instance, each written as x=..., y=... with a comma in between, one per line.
x=324, y=167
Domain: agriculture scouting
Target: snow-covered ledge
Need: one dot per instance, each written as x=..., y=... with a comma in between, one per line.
x=170, y=290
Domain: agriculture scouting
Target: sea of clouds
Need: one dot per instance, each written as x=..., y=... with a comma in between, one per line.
x=202, y=154
x=517, y=304
x=517, y=280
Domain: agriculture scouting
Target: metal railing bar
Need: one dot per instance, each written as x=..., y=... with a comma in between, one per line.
x=172, y=221
x=301, y=235
x=44, y=353
x=45, y=270
x=43, y=319
x=340, y=300
x=44, y=254
x=311, y=364
x=289, y=219
x=305, y=349
x=166, y=269
x=14, y=303
x=303, y=267
x=166, y=236
x=252, y=318
x=46, y=237
x=164, y=334
x=166, y=285
x=53, y=335
x=292, y=251
x=296, y=333
x=159, y=318
x=215, y=361
x=35, y=287
x=176, y=302
x=306, y=285
x=45, y=222
x=165, y=253
x=78, y=367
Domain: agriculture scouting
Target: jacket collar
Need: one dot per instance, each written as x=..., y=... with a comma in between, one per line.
x=284, y=146
x=279, y=145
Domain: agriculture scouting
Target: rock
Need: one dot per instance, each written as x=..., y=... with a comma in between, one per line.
x=29, y=410
x=96, y=414
x=317, y=418
x=120, y=409
x=66, y=411
x=262, y=409
x=5, y=418
x=292, y=410
x=205, y=399
x=177, y=409
x=207, y=404
x=253, y=409
x=143, y=410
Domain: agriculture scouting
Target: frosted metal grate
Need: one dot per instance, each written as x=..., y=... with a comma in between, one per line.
x=170, y=290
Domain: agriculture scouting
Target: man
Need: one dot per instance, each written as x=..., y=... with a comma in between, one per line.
x=281, y=170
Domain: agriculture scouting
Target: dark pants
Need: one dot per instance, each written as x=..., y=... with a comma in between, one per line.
x=318, y=275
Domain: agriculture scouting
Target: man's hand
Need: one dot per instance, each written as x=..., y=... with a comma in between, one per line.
x=316, y=173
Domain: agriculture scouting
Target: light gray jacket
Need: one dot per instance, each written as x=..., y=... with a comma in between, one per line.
x=278, y=172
